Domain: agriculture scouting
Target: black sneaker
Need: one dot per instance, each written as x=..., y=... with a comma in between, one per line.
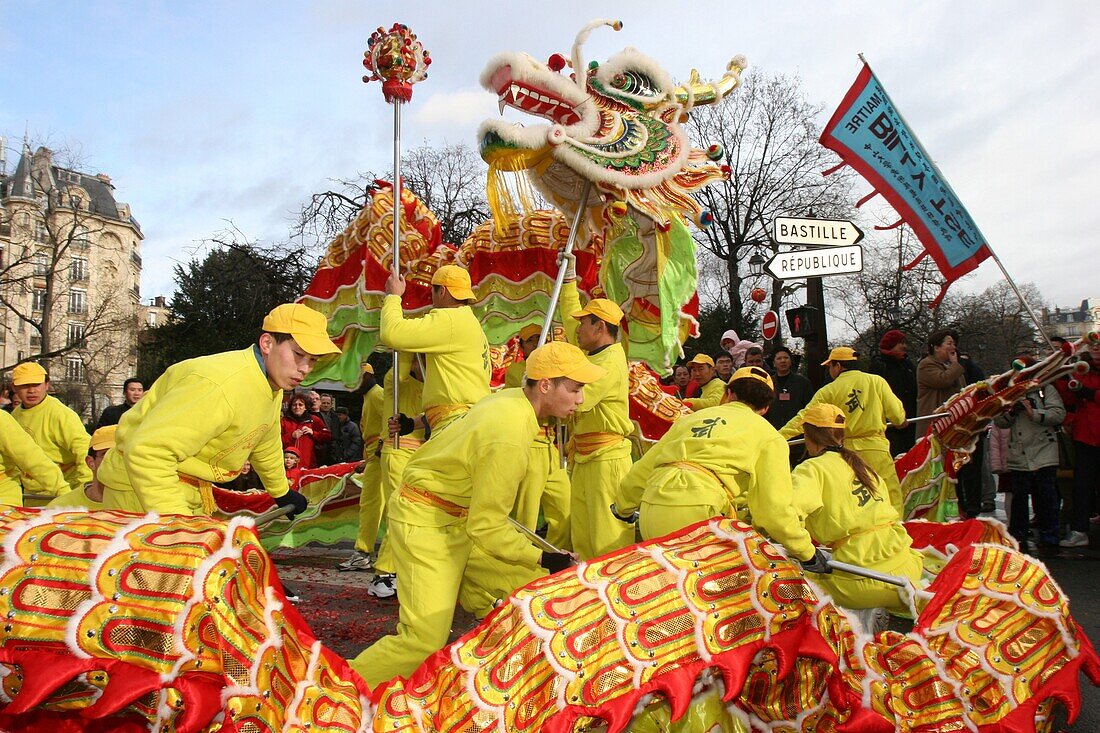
x=291, y=594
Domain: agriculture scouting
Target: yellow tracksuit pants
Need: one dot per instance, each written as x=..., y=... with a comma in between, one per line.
x=371, y=503
x=489, y=579
x=429, y=562
x=851, y=591
x=11, y=493
x=127, y=501
x=594, y=484
x=391, y=466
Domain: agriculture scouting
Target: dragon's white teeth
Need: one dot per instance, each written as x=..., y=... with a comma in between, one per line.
x=501, y=104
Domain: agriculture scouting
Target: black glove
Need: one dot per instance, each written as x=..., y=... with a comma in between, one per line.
x=407, y=424
x=555, y=562
x=631, y=518
x=819, y=563
x=294, y=499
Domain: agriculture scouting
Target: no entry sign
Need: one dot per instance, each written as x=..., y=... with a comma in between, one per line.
x=769, y=326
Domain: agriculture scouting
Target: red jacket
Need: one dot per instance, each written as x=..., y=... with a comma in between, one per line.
x=305, y=443
x=1086, y=401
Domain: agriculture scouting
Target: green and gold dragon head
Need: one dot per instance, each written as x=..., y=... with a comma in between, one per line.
x=616, y=124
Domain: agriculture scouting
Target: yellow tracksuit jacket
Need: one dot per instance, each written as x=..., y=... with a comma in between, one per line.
x=546, y=485
x=724, y=460
x=601, y=454
x=710, y=396
x=60, y=434
x=198, y=423
x=859, y=527
x=370, y=494
x=22, y=460
x=869, y=405
x=393, y=460
x=457, y=492
x=457, y=369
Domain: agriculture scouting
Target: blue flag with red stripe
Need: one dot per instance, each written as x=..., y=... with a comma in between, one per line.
x=871, y=136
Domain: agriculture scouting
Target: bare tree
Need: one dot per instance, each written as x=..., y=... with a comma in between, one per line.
x=769, y=138
x=449, y=179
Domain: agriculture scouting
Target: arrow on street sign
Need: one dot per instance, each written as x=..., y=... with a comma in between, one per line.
x=816, y=263
x=827, y=232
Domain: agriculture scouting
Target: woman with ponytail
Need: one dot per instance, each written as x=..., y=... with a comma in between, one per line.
x=845, y=507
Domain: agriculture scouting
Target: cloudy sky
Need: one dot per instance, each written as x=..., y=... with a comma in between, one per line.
x=208, y=112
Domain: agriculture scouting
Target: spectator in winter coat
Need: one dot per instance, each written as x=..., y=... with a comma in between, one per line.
x=1085, y=391
x=348, y=443
x=1032, y=463
x=894, y=365
x=303, y=431
x=939, y=375
x=792, y=390
x=132, y=391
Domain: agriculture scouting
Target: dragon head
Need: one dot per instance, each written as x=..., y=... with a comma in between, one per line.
x=616, y=124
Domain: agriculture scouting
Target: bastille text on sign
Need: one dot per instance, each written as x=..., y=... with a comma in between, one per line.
x=816, y=262
x=831, y=232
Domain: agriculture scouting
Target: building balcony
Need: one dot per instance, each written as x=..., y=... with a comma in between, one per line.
x=136, y=259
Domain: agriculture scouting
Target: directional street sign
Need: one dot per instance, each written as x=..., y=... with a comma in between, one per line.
x=769, y=325
x=816, y=262
x=817, y=232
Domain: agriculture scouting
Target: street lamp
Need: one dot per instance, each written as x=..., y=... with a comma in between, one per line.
x=756, y=264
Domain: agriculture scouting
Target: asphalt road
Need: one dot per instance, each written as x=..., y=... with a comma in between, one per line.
x=346, y=619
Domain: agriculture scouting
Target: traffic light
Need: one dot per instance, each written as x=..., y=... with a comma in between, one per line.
x=802, y=321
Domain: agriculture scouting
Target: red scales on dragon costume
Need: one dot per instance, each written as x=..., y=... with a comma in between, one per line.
x=122, y=622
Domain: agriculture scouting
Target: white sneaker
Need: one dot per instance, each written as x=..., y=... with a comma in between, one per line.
x=384, y=585
x=359, y=560
x=1075, y=539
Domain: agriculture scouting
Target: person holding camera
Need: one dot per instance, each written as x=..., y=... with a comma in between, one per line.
x=1032, y=462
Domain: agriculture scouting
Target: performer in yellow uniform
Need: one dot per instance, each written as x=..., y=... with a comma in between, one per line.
x=457, y=492
x=394, y=459
x=869, y=405
x=713, y=387
x=546, y=485
x=91, y=496
x=601, y=450
x=203, y=418
x=22, y=459
x=846, y=509
x=450, y=336
x=721, y=461
x=56, y=429
x=371, y=501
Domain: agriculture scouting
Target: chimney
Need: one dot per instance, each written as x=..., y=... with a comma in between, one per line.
x=106, y=179
x=159, y=301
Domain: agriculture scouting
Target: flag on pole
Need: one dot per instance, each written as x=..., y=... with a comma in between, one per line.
x=870, y=135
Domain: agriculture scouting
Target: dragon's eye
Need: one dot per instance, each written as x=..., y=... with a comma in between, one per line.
x=619, y=81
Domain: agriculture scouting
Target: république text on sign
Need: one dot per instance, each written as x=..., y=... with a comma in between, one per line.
x=828, y=232
x=816, y=262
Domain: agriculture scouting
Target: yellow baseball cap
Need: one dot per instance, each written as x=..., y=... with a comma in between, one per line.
x=842, y=353
x=824, y=415
x=456, y=280
x=532, y=329
x=702, y=359
x=752, y=372
x=367, y=368
x=28, y=372
x=103, y=438
x=603, y=309
x=308, y=327
x=561, y=359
